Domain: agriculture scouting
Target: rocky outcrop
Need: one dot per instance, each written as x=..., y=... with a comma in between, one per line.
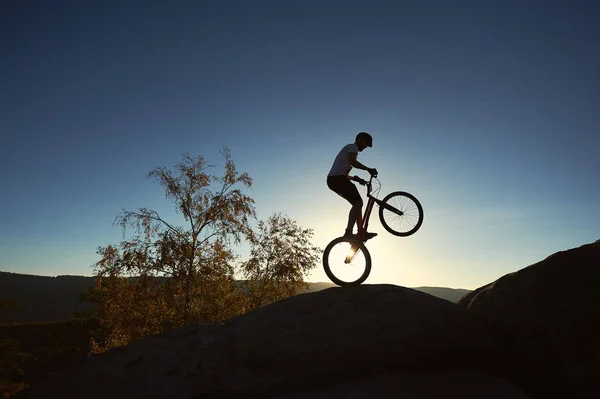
x=546, y=318
x=367, y=341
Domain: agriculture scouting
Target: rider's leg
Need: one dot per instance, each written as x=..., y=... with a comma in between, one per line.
x=343, y=187
x=362, y=234
x=354, y=216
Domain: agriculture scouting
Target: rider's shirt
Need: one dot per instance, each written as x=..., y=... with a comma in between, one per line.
x=341, y=165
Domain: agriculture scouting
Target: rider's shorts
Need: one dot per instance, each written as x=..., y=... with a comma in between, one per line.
x=344, y=187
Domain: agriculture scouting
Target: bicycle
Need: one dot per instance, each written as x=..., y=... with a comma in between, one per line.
x=400, y=207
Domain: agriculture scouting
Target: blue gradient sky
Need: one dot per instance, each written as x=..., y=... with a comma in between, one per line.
x=487, y=111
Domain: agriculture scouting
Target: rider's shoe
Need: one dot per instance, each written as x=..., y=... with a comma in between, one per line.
x=354, y=247
x=348, y=234
x=365, y=236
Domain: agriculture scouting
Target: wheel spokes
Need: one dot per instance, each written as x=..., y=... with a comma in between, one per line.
x=410, y=214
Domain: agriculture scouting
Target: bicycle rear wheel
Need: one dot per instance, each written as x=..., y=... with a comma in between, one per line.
x=401, y=214
x=347, y=262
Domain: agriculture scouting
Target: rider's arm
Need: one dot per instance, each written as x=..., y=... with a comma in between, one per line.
x=354, y=162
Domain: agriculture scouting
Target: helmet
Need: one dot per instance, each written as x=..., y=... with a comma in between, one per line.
x=365, y=136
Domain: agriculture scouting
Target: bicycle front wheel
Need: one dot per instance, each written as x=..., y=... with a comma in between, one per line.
x=347, y=262
x=401, y=214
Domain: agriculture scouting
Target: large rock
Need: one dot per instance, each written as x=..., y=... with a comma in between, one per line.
x=547, y=317
x=377, y=340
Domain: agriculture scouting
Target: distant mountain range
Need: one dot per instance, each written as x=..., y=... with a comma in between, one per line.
x=44, y=298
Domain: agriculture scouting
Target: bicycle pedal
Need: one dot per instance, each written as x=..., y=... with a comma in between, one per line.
x=366, y=237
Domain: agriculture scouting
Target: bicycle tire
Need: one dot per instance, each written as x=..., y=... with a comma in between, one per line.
x=361, y=248
x=407, y=203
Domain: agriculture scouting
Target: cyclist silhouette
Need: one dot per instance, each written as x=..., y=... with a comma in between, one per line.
x=339, y=181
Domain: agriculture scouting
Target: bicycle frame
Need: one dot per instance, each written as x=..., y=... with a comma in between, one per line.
x=371, y=202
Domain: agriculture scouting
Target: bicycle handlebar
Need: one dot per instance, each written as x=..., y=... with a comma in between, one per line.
x=368, y=183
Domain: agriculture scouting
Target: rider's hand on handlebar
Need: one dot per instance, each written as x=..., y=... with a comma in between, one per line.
x=359, y=180
x=372, y=171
